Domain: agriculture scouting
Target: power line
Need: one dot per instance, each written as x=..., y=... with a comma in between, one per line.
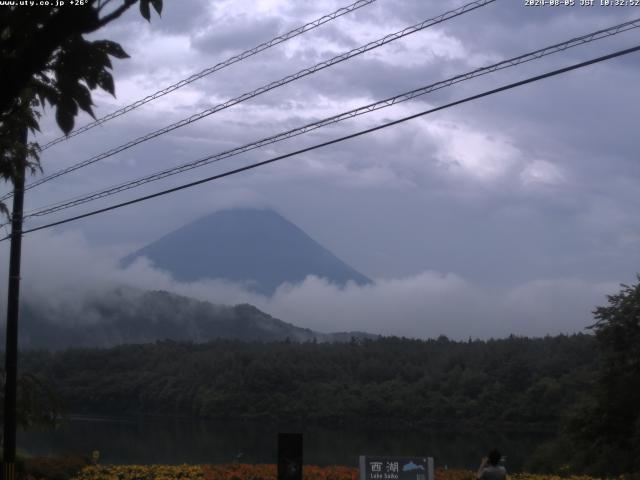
x=208, y=71
x=537, y=54
x=340, y=139
x=246, y=96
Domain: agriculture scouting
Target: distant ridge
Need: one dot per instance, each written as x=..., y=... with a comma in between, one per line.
x=129, y=316
x=256, y=247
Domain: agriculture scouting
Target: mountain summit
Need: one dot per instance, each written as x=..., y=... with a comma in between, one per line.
x=257, y=247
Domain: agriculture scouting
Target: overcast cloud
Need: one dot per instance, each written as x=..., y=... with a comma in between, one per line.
x=512, y=214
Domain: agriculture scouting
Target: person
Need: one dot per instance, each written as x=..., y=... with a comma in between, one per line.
x=489, y=468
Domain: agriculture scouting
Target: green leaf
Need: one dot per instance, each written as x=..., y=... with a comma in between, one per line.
x=69, y=104
x=46, y=93
x=112, y=48
x=105, y=81
x=64, y=117
x=82, y=96
x=157, y=5
x=144, y=9
x=92, y=81
x=32, y=124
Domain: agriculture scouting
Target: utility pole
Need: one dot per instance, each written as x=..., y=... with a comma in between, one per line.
x=11, y=350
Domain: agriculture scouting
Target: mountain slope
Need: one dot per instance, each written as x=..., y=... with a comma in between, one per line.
x=256, y=247
x=128, y=316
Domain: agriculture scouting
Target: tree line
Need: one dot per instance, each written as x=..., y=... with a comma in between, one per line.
x=515, y=383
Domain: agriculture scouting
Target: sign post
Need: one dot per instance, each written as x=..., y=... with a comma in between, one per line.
x=396, y=468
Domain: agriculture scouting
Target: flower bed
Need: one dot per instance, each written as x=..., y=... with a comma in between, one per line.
x=239, y=471
x=208, y=472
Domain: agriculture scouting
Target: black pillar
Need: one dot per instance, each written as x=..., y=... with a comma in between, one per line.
x=289, y=456
x=11, y=351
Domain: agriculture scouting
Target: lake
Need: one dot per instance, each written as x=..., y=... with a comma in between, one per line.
x=179, y=440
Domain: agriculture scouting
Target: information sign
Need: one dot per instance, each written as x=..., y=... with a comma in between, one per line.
x=396, y=468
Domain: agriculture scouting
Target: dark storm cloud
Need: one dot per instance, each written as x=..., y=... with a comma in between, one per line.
x=501, y=202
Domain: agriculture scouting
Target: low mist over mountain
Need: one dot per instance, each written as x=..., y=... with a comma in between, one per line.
x=255, y=247
x=126, y=316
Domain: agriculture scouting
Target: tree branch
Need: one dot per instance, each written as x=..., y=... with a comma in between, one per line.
x=102, y=4
x=116, y=13
x=34, y=56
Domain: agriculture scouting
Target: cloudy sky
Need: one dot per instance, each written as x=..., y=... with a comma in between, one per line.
x=516, y=213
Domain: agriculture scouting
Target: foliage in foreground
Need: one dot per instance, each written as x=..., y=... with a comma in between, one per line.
x=45, y=59
x=259, y=472
x=50, y=468
x=608, y=429
x=602, y=434
x=209, y=472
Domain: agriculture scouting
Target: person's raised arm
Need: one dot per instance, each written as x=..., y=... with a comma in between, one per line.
x=481, y=468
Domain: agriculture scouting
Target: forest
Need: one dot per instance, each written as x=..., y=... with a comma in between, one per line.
x=514, y=383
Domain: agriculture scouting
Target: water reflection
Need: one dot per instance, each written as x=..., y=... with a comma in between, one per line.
x=179, y=440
